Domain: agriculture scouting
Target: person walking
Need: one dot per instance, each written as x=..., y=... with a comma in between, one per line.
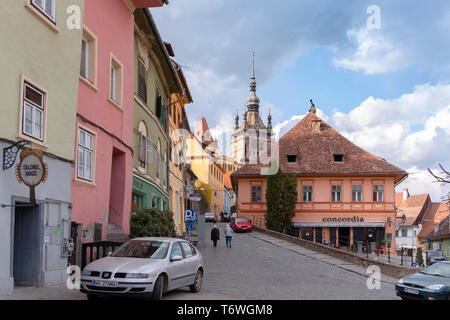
x=228, y=235
x=215, y=235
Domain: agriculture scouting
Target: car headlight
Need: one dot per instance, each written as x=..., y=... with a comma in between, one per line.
x=137, y=275
x=400, y=281
x=435, y=287
x=86, y=272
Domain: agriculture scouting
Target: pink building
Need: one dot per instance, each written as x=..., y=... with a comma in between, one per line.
x=102, y=177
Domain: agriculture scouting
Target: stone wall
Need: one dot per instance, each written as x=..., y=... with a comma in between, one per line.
x=388, y=269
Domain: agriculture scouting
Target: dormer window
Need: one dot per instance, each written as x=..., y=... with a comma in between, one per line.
x=315, y=126
x=338, y=157
x=292, y=158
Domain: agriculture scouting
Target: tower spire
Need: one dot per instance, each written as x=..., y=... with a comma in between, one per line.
x=253, y=100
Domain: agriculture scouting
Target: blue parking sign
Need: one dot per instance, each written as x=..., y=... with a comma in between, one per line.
x=190, y=216
x=189, y=226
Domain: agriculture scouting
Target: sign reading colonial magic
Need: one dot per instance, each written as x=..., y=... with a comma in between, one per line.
x=31, y=170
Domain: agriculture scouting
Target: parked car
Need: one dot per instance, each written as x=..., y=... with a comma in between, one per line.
x=210, y=217
x=434, y=256
x=241, y=224
x=234, y=215
x=144, y=267
x=432, y=283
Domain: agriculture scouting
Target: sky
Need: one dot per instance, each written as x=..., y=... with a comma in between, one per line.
x=378, y=71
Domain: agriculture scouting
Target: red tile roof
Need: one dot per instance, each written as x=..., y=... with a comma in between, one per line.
x=227, y=180
x=414, y=208
x=435, y=214
x=203, y=133
x=314, y=151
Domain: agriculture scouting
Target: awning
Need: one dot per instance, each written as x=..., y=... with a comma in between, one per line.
x=339, y=224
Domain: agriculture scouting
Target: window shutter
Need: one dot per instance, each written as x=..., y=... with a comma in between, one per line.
x=142, y=83
x=149, y=151
x=158, y=106
x=142, y=145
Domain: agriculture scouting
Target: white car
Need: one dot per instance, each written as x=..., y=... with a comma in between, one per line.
x=210, y=217
x=144, y=267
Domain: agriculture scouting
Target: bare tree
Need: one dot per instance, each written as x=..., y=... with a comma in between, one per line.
x=441, y=177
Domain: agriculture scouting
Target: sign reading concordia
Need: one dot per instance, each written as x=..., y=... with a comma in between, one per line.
x=31, y=170
x=354, y=219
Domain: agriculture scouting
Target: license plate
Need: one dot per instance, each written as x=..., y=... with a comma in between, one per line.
x=106, y=284
x=413, y=291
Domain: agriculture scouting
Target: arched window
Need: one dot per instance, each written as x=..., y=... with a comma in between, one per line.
x=158, y=159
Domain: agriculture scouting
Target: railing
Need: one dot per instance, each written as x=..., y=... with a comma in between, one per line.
x=97, y=250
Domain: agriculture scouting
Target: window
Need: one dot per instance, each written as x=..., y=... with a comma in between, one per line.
x=142, y=81
x=336, y=193
x=291, y=158
x=404, y=233
x=88, y=66
x=33, y=112
x=378, y=193
x=176, y=250
x=116, y=81
x=256, y=194
x=85, y=155
x=46, y=7
x=357, y=193
x=149, y=151
x=307, y=193
x=187, y=250
x=338, y=157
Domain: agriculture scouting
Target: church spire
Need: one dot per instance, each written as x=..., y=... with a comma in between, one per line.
x=253, y=100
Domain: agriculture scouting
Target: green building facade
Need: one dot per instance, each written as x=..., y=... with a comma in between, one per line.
x=155, y=81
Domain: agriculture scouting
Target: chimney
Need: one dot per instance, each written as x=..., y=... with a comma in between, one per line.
x=405, y=194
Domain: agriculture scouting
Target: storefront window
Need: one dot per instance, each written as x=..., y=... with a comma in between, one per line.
x=378, y=193
x=336, y=193
x=357, y=193
x=307, y=193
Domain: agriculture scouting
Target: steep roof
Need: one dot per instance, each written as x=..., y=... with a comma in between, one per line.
x=315, y=149
x=203, y=133
x=444, y=230
x=435, y=214
x=227, y=180
x=414, y=208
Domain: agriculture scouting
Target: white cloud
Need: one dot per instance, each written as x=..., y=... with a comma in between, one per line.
x=375, y=53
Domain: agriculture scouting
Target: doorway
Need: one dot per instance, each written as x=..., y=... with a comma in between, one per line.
x=344, y=236
x=26, y=244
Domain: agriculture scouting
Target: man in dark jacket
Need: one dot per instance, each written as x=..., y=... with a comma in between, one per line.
x=215, y=235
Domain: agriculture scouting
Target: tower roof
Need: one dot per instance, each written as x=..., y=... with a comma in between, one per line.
x=202, y=133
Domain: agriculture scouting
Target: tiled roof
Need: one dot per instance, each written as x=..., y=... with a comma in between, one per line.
x=444, y=230
x=434, y=215
x=414, y=208
x=227, y=180
x=314, y=151
x=203, y=133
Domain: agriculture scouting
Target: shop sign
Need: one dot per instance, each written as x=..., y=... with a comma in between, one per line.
x=345, y=219
x=31, y=170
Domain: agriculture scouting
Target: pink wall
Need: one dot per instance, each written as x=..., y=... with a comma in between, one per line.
x=113, y=25
x=321, y=206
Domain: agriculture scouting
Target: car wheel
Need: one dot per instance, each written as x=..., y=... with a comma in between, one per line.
x=197, y=285
x=158, y=289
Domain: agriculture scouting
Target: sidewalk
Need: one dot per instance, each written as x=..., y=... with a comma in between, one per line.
x=319, y=256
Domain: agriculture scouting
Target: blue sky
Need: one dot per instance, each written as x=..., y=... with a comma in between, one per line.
x=386, y=89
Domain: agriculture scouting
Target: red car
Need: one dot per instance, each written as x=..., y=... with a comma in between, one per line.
x=241, y=224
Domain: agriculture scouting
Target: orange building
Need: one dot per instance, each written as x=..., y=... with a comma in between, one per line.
x=345, y=194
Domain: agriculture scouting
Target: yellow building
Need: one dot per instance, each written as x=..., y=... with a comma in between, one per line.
x=178, y=126
x=201, y=153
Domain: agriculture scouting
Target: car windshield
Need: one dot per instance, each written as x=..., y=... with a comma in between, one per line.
x=434, y=253
x=438, y=269
x=143, y=249
x=242, y=220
